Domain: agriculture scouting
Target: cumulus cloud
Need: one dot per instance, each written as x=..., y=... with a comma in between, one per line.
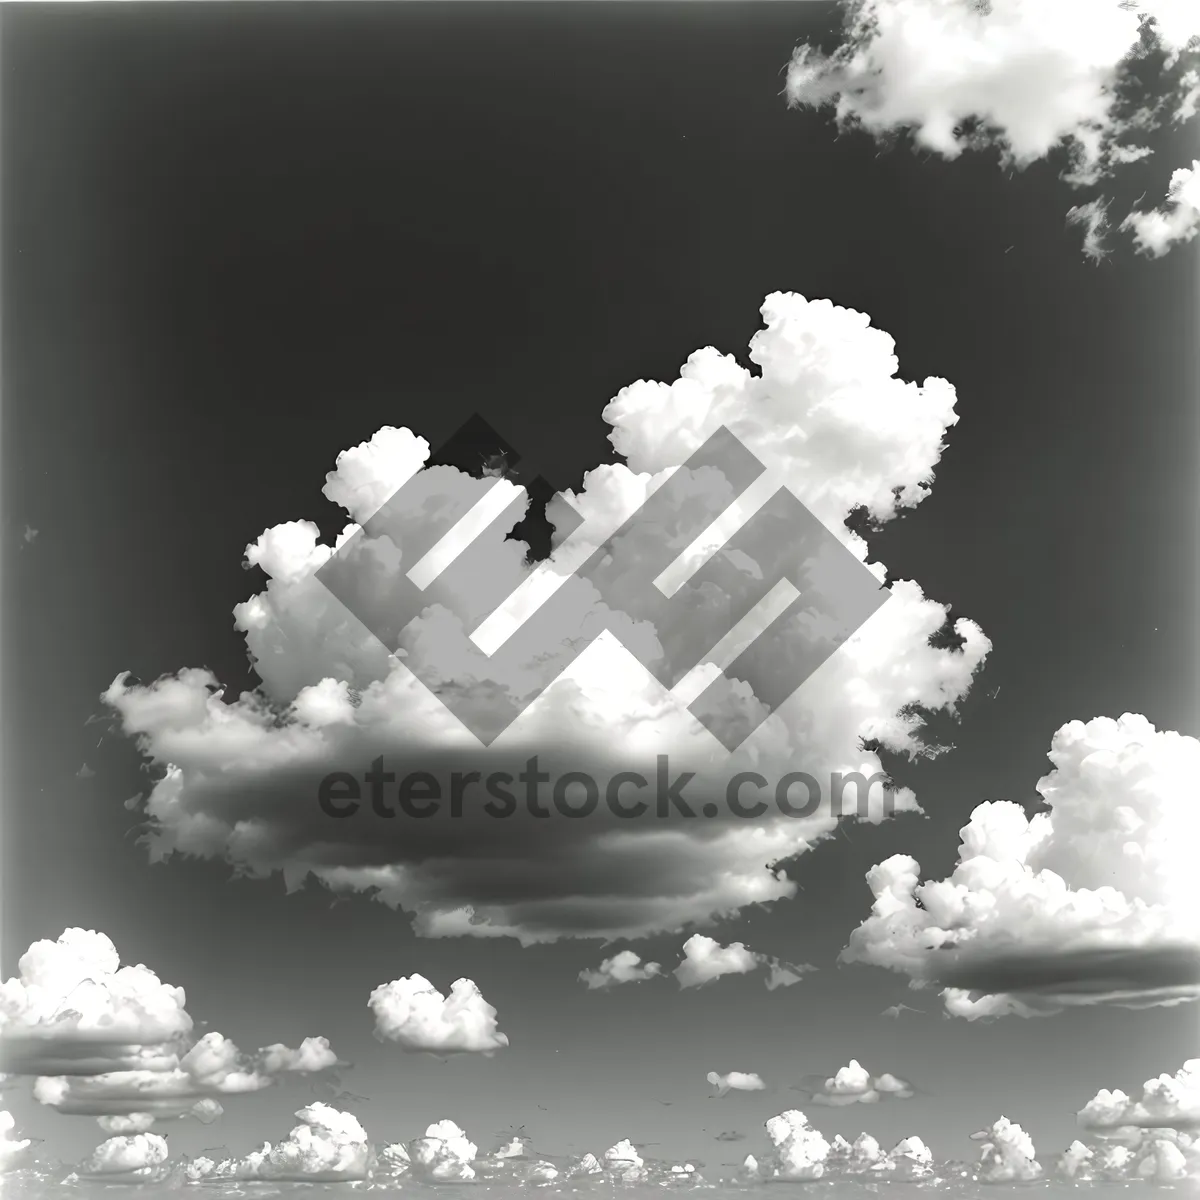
x=1028, y=79
x=14, y=1150
x=72, y=996
x=826, y=415
x=138, y=1155
x=625, y=967
x=623, y=1162
x=798, y=1151
x=736, y=1081
x=1093, y=901
x=328, y=1146
x=854, y=1084
x=412, y=1013
x=115, y=1043
x=706, y=960
x=1007, y=1154
x=1167, y=1101
x=444, y=1154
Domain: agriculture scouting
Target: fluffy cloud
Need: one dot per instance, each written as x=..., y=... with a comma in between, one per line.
x=1007, y=1154
x=625, y=967
x=138, y=1155
x=1156, y=232
x=14, y=1150
x=1168, y=1101
x=826, y=414
x=705, y=960
x=444, y=1154
x=1027, y=78
x=623, y=1162
x=854, y=1084
x=798, y=1150
x=114, y=1042
x=1164, y=1156
x=327, y=1146
x=72, y=1000
x=735, y=1081
x=1095, y=900
x=415, y=1015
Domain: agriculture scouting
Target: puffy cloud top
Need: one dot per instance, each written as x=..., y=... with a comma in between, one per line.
x=737, y=1081
x=854, y=1084
x=328, y=1145
x=413, y=1013
x=829, y=419
x=139, y=1153
x=625, y=967
x=1007, y=1154
x=444, y=1154
x=706, y=960
x=75, y=988
x=1093, y=901
x=1167, y=1101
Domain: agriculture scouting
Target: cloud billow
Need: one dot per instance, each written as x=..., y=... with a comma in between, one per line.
x=238, y=779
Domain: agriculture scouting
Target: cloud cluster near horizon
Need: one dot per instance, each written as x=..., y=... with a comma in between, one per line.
x=1028, y=79
x=827, y=417
x=115, y=1042
x=1093, y=901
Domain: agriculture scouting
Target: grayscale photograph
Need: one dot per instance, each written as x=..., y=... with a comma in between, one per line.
x=600, y=596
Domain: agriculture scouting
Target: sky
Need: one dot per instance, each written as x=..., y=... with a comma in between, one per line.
x=239, y=241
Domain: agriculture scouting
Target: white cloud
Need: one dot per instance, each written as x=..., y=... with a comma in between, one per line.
x=444, y=1154
x=798, y=1150
x=1029, y=78
x=114, y=1042
x=736, y=1081
x=622, y=1161
x=827, y=415
x=706, y=960
x=75, y=990
x=414, y=1014
x=1093, y=217
x=327, y=1146
x=1157, y=231
x=1007, y=1154
x=625, y=967
x=138, y=1154
x=909, y=1158
x=1093, y=901
x=1167, y=1101
x=14, y=1150
x=854, y=1084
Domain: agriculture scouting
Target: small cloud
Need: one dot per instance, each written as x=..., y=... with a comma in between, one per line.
x=14, y=1150
x=736, y=1081
x=1156, y=232
x=414, y=1014
x=1093, y=217
x=730, y=1135
x=85, y=772
x=1008, y=1154
x=706, y=960
x=625, y=967
x=28, y=535
x=895, y=1010
x=135, y=1156
x=854, y=1084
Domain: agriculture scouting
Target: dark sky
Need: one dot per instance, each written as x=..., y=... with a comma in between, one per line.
x=238, y=240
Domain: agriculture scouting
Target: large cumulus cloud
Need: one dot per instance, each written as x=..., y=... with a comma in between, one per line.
x=825, y=414
x=1093, y=901
x=1167, y=1101
x=1029, y=79
x=115, y=1042
x=327, y=1145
